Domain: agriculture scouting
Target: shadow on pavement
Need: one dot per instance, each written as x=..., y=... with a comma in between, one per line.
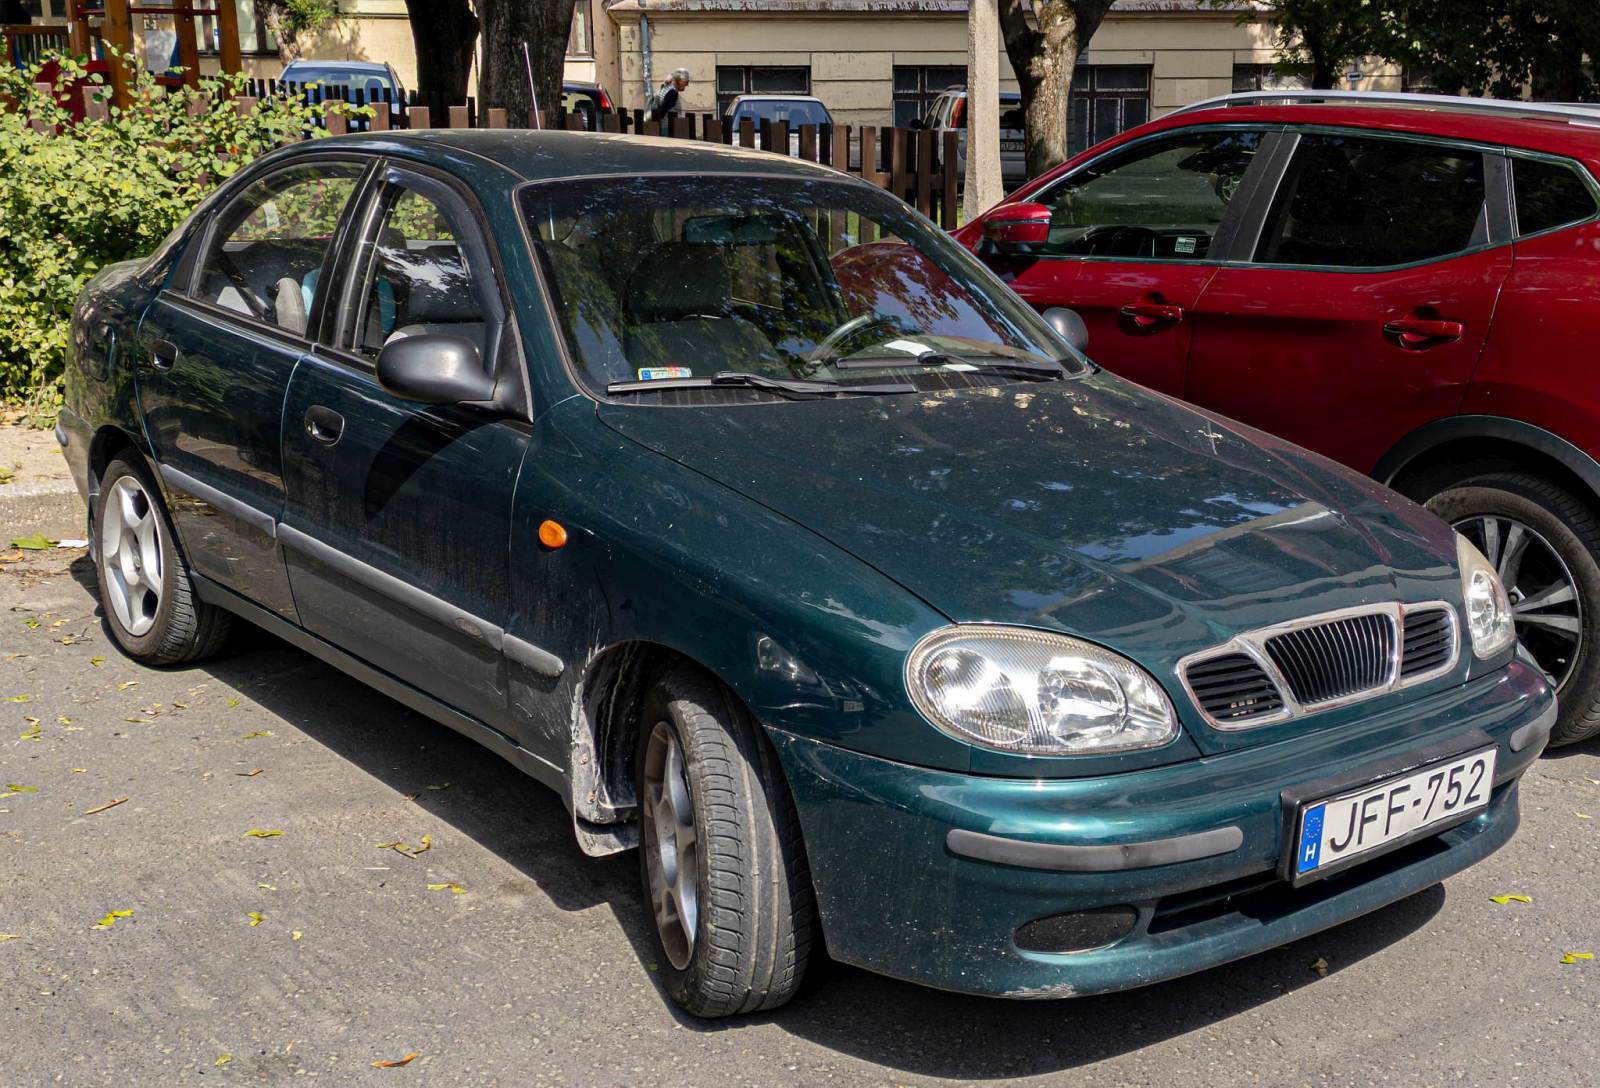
x=910, y=1028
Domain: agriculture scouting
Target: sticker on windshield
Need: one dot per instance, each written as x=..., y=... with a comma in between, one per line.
x=1183, y=245
x=910, y=347
x=652, y=373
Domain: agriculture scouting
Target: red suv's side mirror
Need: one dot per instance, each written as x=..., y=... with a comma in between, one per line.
x=1017, y=228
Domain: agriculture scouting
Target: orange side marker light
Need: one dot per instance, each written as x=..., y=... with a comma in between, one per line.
x=552, y=534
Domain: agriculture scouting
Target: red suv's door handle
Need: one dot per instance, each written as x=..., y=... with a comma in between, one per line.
x=1148, y=315
x=1421, y=332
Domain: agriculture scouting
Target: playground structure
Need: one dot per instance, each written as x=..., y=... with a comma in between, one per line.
x=94, y=25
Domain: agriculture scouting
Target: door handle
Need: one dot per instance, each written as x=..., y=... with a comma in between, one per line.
x=163, y=353
x=1151, y=315
x=1416, y=333
x=324, y=424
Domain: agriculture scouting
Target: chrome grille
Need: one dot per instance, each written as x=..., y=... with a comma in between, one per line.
x=1428, y=642
x=1332, y=660
x=1234, y=688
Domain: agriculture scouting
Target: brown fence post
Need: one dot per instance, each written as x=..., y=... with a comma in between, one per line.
x=869, y=157
x=380, y=118
x=947, y=189
x=610, y=122
x=712, y=132
x=808, y=143
x=495, y=117
x=94, y=104
x=336, y=122
x=924, y=143
x=747, y=132
x=457, y=117
x=681, y=127
x=417, y=117
x=839, y=158
x=780, y=138
x=899, y=167
x=638, y=121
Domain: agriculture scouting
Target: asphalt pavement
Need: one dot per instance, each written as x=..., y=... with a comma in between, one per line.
x=500, y=955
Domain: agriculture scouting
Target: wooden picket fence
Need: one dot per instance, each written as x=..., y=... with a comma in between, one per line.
x=917, y=166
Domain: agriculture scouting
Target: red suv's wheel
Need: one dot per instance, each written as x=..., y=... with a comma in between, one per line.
x=1545, y=543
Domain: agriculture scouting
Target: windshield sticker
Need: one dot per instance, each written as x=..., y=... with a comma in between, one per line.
x=654, y=373
x=910, y=347
x=1183, y=245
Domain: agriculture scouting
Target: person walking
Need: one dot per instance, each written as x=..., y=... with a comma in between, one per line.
x=667, y=102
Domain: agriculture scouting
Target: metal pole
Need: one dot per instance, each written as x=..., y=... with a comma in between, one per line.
x=983, y=182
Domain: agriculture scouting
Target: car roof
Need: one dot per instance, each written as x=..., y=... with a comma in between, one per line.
x=778, y=98
x=550, y=155
x=347, y=65
x=1556, y=135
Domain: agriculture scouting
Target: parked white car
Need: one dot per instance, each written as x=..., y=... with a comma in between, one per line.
x=796, y=109
x=949, y=111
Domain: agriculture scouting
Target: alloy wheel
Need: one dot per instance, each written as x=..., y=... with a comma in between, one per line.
x=130, y=555
x=1545, y=601
x=670, y=841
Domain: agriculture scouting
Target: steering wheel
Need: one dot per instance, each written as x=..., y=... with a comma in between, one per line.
x=829, y=345
x=1113, y=242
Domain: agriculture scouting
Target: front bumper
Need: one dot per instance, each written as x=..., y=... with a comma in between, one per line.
x=896, y=898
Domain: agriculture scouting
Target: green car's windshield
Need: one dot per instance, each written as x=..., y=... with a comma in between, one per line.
x=674, y=279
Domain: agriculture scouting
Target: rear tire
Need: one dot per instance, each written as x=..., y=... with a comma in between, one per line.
x=1543, y=535
x=145, y=592
x=720, y=856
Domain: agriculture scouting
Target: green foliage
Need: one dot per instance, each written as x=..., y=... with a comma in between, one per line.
x=76, y=196
x=305, y=15
x=1318, y=39
x=1500, y=47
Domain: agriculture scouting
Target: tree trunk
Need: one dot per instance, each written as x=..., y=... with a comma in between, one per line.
x=507, y=24
x=1323, y=76
x=277, y=20
x=1043, y=51
x=444, y=32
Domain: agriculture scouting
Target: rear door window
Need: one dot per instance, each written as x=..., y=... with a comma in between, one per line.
x=266, y=248
x=1549, y=195
x=1371, y=202
x=1158, y=199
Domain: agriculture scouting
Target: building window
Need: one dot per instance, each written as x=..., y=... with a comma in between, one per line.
x=1414, y=80
x=1264, y=77
x=254, y=37
x=580, y=42
x=1106, y=98
x=735, y=80
x=916, y=86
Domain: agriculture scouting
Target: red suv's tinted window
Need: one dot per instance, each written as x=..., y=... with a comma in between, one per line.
x=1549, y=195
x=1363, y=202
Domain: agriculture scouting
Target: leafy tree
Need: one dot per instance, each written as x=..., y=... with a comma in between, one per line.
x=509, y=25
x=1318, y=39
x=289, y=19
x=1043, y=39
x=1499, y=47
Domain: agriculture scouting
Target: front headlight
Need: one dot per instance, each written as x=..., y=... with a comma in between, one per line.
x=1489, y=619
x=1036, y=693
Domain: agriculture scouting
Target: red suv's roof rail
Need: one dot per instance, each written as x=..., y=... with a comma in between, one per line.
x=1558, y=111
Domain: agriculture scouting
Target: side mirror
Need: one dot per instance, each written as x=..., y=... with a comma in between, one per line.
x=1017, y=228
x=914, y=123
x=1069, y=326
x=434, y=368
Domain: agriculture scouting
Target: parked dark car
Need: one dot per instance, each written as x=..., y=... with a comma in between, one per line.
x=728, y=497
x=1408, y=284
x=588, y=100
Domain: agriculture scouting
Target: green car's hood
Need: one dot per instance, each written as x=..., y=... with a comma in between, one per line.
x=1089, y=506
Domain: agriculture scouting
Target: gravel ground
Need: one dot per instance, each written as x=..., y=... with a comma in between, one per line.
x=539, y=970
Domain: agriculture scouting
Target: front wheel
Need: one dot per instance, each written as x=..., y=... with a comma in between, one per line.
x=724, y=872
x=1545, y=543
x=145, y=592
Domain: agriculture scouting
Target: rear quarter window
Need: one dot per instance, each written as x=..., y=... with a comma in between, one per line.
x=1549, y=195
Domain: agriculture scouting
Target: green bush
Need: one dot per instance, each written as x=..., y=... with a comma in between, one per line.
x=76, y=196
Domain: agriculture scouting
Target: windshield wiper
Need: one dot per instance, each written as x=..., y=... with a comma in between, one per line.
x=1022, y=368
x=793, y=388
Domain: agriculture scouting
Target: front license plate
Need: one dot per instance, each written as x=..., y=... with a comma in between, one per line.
x=1010, y=145
x=1337, y=829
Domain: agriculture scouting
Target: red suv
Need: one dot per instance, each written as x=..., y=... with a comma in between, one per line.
x=1407, y=284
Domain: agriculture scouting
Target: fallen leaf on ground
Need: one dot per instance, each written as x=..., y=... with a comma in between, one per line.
x=258, y=733
x=1320, y=966
x=442, y=786
x=30, y=623
x=1574, y=957
x=1504, y=899
x=295, y=934
x=249, y=774
x=233, y=702
x=14, y=788
x=223, y=1059
x=257, y=833
x=427, y=844
x=97, y=660
x=255, y=918
x=29, y=699
x=32, y=732
x=1583, y=816
x=10, y=937
x=269, y=887
x=384, y=1063
x=33, y=543
x=62, y=719
x=455, y=889
x=113, y=803
x=126, y=684
x=80, y=770
x=111, y=918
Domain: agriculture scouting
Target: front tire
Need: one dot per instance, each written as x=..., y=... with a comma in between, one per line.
x=721, y=861
x=1544, y=541
x=145, y=592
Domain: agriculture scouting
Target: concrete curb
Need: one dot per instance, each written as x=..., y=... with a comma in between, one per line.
x=51, y=507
